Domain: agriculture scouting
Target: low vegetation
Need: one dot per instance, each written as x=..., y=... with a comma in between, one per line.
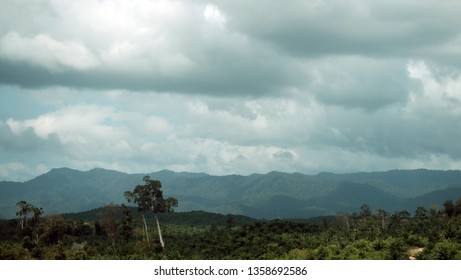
x=118, y=232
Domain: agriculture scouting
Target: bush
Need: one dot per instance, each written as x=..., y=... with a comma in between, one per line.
x=444, y=251
x=396, y=249
x=14, y=252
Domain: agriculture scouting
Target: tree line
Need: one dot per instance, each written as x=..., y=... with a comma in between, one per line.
x=122, y=232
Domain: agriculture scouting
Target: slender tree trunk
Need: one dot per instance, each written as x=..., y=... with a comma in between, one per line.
x=145, y=229
x=346, y=219
x=159, y=231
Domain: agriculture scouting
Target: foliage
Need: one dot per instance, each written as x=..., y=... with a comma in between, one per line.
x=117, y=233
x=149, y=197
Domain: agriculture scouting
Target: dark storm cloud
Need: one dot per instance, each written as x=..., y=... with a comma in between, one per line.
x=227, y=77
x=196, y=53
x=252, y=48
x=373, y=28
x=359, y=82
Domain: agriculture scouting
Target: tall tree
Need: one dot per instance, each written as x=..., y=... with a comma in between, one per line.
x=382, y=215
x=149, y=197
x=449, y=207
x=457, y=209
x=126, y=223
x=421, y=213
x=23, y=212
x=109, y=221
x=25, y=209
x=365, y=211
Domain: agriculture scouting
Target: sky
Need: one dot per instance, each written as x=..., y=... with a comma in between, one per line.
x=229, y=87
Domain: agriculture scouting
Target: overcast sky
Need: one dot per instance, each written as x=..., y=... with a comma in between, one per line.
x=228, y=87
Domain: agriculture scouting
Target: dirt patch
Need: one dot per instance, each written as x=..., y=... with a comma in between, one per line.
x=414, y=253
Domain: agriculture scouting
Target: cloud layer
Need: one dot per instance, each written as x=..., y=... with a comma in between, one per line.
x=229, y=87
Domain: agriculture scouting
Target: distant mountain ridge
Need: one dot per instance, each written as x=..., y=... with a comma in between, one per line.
x=271, y=195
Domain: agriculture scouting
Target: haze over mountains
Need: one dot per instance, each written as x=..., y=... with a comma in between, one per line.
x=272, y=195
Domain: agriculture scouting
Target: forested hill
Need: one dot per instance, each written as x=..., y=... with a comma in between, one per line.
x=272, y=195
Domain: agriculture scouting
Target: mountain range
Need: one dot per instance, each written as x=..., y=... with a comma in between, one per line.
x=268, y=196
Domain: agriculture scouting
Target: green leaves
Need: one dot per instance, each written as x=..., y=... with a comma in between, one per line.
x=25, y=209
x=150, y=197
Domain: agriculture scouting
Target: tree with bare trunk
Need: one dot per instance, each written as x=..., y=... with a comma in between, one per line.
x=149, y=197
x=25, y=209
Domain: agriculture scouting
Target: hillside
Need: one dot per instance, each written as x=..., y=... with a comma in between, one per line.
x=272, y=195
x=190, y=218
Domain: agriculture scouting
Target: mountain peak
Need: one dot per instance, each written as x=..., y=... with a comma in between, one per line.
x=99, y=170
x=63, y=169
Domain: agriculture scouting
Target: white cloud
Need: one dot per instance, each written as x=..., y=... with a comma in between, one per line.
x=85, y=131
x=44, y=51
x=440, y=91
x=214, y=15
x=11, y=170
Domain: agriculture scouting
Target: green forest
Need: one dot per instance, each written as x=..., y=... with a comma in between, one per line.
x=149, y=229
